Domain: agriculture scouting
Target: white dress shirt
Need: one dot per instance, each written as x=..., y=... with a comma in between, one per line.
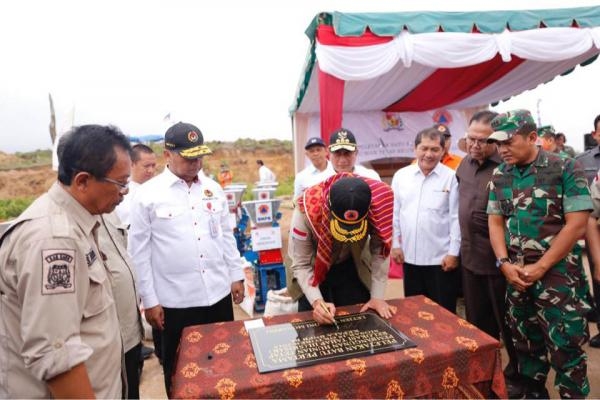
x=265, y=175
x=181, y=242
x=124, y=207
x=426, y=214
x=366, y=172
x=310, y=176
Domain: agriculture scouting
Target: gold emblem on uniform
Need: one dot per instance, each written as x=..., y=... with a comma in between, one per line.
x=208, y=193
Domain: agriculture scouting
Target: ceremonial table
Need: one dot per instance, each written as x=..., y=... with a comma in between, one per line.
x=453, y=359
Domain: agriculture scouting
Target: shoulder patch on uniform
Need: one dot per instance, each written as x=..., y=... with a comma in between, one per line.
x=298, y=234
x=58, y=271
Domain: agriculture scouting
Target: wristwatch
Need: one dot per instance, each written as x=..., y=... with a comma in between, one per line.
x=502, y=261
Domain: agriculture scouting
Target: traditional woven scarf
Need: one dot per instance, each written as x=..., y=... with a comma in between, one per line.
x=314, y=203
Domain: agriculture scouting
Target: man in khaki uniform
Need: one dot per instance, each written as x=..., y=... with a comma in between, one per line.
x=112, y=239
x=59, y=333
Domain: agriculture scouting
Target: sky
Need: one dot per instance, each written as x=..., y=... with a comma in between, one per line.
x=230, y=67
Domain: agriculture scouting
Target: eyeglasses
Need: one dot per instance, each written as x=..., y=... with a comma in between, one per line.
x=480, y=142
x=122, y=186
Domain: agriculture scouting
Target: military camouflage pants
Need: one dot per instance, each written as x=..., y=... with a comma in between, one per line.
x=549, y=318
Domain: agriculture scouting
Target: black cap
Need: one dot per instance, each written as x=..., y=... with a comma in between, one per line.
x=187, y=140
x=443, y=129
x=349, y=202
x=342, y=139
x=314, y=141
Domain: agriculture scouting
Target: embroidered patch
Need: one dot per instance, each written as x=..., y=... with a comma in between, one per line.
x=58, y=271
x=90, y=257
x=298, y=234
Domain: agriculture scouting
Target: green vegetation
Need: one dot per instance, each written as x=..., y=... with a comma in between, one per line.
x=12, y=208
x=274, y=145
x=27, y=159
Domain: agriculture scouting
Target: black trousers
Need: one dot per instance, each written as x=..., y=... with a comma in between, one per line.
x=157, y=341
x=485, y=306
x=342, y=287
x=178, y=318
x=594, y=315
x=132, y=370
x=433, y=282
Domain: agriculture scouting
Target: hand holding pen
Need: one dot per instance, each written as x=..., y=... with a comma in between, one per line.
x=323, y=314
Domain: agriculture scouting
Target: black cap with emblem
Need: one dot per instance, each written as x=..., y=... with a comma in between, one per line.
x=187, y=140
x=342, y=139
x=349, y=202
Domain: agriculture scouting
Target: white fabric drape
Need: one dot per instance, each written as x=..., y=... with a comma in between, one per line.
x=454, y=49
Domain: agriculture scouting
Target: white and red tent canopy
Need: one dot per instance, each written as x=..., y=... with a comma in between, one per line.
x=385, y=76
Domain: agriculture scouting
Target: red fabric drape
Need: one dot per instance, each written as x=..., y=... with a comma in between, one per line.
x=331, y=98
x=449, y=85
x=331, y=89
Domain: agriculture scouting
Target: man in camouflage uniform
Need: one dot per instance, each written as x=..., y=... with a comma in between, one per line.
x=538, y=207
x=547, y=137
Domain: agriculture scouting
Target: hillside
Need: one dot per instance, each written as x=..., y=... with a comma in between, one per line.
x=19, y=179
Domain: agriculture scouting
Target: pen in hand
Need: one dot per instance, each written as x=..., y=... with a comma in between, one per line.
x=329, y=313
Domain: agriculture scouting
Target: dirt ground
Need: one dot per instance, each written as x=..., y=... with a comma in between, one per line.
x=32, y=182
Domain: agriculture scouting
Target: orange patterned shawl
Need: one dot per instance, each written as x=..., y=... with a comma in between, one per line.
x=314, y=203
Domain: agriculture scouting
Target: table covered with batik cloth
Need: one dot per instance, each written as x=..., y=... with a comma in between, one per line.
x=453, y=359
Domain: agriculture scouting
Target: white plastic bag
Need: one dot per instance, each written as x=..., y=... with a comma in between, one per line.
x=278, y=303
x=249, y=289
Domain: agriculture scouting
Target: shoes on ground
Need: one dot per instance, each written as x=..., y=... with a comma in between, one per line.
x=595, y=341
x=147, y=352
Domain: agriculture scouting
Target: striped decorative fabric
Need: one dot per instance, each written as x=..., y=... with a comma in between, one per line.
x=314, y=204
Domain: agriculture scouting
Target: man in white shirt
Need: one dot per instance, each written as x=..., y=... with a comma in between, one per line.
x=143, y=167
x=344, y=152
x=265, y=175
x=319, y=170
x=187, y=262
x=426, y=235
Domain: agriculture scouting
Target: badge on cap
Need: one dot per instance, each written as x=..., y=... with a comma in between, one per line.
x=342, y=137
x=192, y=136
x=351, y=215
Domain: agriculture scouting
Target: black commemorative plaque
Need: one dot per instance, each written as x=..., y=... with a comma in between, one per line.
x=299, y=344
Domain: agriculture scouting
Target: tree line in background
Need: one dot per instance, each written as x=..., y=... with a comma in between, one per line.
x=11, y=208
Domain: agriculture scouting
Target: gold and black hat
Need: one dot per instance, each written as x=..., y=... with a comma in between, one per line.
x=349, y=202
x=342, y=139
x=187, y=140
